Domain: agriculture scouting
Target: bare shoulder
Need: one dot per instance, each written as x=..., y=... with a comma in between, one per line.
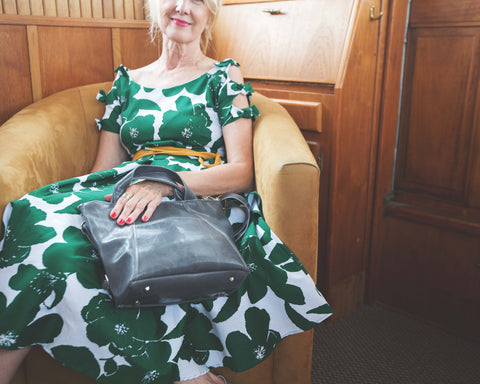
x=208, y=63
x=235, y=74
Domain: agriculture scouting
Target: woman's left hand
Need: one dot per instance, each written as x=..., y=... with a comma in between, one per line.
x=140, y=198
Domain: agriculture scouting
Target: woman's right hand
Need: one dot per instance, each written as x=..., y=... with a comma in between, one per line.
x=140, y=199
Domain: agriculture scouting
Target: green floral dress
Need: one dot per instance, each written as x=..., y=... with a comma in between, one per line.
x=50, y=276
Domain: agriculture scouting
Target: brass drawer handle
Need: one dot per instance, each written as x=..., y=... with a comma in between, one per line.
x=372, y=14
x=273, y=11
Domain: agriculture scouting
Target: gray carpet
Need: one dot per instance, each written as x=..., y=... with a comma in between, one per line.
x=376, y=346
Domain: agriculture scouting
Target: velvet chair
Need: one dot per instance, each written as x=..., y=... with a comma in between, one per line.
x=56, y=138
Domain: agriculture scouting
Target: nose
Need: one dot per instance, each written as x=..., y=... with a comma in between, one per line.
x=182, y=6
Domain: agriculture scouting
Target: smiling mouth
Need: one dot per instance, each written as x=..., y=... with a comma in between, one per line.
x=180, y=23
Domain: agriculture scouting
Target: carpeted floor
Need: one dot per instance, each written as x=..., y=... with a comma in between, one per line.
x=375, y=346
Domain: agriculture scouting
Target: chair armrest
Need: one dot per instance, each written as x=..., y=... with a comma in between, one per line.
x=47, y=141
x=287, y=178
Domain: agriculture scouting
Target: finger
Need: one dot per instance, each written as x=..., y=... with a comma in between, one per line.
x=136, y=212
x=108, y=197
x=119, y=206
x=128, y=208
x=150, y=209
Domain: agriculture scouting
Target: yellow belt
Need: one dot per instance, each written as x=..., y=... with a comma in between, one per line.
x=180, y=152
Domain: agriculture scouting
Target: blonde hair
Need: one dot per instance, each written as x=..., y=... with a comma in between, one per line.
x=153, y=16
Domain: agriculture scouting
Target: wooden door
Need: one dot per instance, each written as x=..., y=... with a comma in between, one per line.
x=426, y=242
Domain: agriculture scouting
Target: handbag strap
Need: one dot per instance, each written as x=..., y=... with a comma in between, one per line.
x=154, y=173
x=231, y=200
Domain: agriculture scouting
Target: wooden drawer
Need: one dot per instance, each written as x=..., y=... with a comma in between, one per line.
x=292, y=45
x=307, y=114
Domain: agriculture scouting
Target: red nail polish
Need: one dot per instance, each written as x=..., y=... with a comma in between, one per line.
x=121, y=222
x=129, y=220
x=113, y=215
x=145, y=218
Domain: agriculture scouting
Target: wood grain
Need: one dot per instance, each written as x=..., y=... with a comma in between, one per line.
x=73, y=56
x=145, y=51
x=86, y=8
x=119, y=9
x=34, y=57
x=353, y=154
x=443, y=12
x=307, y=114
x=23, y=7
x=108, y=11
x=50, y=8
x=10, y=7
x=441, y=82
x=15, y=73
x=314, y=48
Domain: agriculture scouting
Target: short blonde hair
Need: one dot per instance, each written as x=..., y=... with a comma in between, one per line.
x=153, y=16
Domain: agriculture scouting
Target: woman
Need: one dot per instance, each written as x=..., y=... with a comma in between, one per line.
x=50, y=290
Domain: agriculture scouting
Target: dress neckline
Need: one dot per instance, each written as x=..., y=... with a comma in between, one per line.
x=201, y=76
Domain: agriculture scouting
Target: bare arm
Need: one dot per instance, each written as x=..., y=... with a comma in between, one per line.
x=110, y=152
x=236, y=175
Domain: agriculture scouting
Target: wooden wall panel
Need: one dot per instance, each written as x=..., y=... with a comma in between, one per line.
x=86, y=8
x=23, y=7
x=73, y=56
x=34, y=57
x=50, y=7
x=445, y=12
x=473, y=196
x=129, y=9
x=62, y=8
x=37, y=8
x=10, y=7
x=145, y=51
x=97, y=8
x=437, y=115
x=108, y=9
x=353, y=157
x=139, y=9
x=118, y=9
x=56, y=53
x=433, y=273
x=74, y=8
x=14, y=74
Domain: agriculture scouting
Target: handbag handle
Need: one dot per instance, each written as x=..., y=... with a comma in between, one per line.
x=181, y=190
x=241, y=203
x=154, y=173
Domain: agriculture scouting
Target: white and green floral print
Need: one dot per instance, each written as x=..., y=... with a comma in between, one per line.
x=50, y=276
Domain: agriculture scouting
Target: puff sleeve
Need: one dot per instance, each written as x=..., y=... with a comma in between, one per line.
x=115, y=102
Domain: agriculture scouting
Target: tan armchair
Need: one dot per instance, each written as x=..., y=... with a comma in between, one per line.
x=56, y=138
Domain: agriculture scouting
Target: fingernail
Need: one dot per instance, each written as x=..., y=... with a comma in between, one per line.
x=145, y=218
x=121, y=221
x=129, y=220
x=113, y=215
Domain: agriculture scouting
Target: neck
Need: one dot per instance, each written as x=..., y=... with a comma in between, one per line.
x=176, y=55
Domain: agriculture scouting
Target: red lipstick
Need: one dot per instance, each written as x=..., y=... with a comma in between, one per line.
x=180, y=23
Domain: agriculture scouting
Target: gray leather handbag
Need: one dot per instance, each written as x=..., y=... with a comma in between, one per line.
x=186, y=252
